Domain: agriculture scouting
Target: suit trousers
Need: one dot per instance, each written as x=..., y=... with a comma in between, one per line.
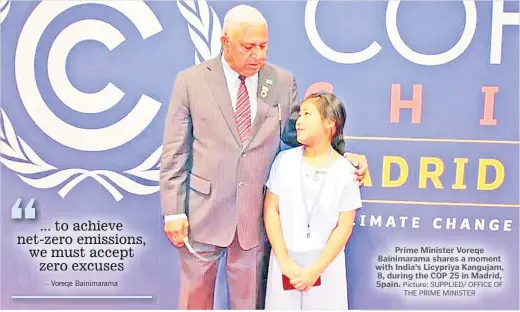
x=244, y=272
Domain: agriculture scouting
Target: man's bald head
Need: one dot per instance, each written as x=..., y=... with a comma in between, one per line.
x=244, y=39
x=240, y=16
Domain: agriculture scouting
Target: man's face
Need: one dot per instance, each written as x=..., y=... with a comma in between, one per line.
x=246, y=48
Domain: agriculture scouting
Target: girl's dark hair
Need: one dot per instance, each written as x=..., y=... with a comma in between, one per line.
x=331, y=107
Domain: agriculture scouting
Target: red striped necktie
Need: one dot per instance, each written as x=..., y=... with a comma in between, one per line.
x=243, y=111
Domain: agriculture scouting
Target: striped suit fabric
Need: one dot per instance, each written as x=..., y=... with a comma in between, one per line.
x=217, y=178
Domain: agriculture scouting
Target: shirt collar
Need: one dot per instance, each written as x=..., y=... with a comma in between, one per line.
x=229, y=72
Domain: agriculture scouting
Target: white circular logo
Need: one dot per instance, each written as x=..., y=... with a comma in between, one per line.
x=22, y=159
x=82, y=139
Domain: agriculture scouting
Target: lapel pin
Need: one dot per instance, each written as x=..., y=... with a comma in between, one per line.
x=264, y=91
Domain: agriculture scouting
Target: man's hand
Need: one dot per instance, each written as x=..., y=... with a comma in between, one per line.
x=177, y=230
x=361, y=164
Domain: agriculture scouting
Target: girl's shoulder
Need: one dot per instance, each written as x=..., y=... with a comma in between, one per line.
x=344, y=168
x=344, y=163
x=289, y=155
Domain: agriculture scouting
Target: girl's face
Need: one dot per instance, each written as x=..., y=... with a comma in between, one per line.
x=311, y=128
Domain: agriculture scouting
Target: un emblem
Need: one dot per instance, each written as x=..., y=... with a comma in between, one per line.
x=19, y=157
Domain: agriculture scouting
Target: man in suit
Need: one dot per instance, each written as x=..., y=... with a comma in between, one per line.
x=222, y=132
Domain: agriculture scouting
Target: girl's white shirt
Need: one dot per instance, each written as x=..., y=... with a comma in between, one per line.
x=340, y=193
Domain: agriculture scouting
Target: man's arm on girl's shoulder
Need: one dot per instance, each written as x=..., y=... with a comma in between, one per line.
x=360, y=162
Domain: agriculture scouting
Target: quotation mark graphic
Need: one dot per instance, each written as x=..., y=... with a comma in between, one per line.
x=29, y=212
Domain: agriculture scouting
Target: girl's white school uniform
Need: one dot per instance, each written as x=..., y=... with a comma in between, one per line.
x=339, y=193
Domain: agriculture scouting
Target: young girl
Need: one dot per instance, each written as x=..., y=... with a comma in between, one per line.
x=309, y=212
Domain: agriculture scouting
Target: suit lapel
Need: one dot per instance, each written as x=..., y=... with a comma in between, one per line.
x=217, y=80
x=263, y=96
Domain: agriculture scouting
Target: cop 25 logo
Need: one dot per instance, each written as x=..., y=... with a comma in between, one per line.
x=19, y=157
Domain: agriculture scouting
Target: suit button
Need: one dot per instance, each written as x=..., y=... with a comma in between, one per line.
x=241, y=184
x=243, y=155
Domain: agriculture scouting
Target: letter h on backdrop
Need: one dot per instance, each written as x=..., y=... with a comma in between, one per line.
x=414, y=104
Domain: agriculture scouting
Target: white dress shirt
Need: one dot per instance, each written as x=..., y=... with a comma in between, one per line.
x=233, y=84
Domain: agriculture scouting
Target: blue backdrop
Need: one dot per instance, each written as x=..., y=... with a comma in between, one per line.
x=86, y=85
